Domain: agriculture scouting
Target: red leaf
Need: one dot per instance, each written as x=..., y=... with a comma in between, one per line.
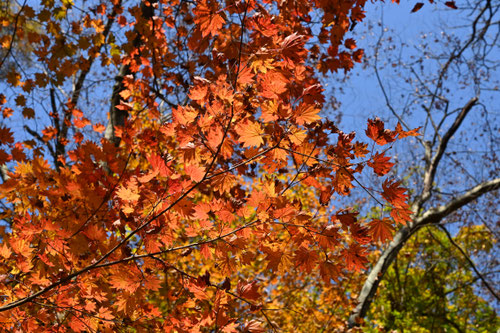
x=381, y=229
x=451, y=4
x=355, y=257
x=196, y=172
x=417, y=7
x=206, y=17
x=376, y=132
x=395, y=194
x=273, y=84
x=198, y=92
x=380, y=164
x=159, y=165
x=6, y=136
x=325, y=195
x=254, y=326
x=403, y=134
x=248, y=291
x=306, y=114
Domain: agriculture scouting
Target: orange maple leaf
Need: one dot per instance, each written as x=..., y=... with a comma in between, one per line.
x=196, y=172
x=292, y=50
x=401, y=215
x=380, y=164
x=404, y=134
x=207, y=18
x=355, y=257
x=198, y=92
x=130, y=192
x=159, y=165
x=306, y=114
x=250, y=134
x=273, y=84
x=381, y=229
x=248, y=291
x=395, y=194
x=376, y=132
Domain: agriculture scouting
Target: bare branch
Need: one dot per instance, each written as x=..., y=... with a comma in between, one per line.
x=62, y=131
x=431, y=216
x=13, y=36
x=432, y=167
x=435, y=215
x=471, y=263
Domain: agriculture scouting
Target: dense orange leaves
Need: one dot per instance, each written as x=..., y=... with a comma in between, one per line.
x=208, y=197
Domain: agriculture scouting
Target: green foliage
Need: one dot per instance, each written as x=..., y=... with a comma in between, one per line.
x=431, y=288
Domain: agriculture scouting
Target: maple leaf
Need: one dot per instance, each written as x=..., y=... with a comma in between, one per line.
x=5, y=252
x=329, y=271
x=306, y=114
x=297, y=136
x=250, y=134
x=343, y=182
x=273, y=84
x=130, y=192
x=403, y=134
x=195, y=172
x=381, y=230
x=306, y=259
x=325, y=195
x=198, y=92
x=254, y=326
x=105, y=313
x=245, y=75
x=355, y=257
x=328, y=239
x=248, y=290
x=394, y=194
x=99, y=128
x=207, y=19
x=401, y=215
x=81, y=122
x=125, y=281
x=380, y=164
x=159, y=165
x=292, y=49
x=417, y=7
x=77, y=325
x=376, y=132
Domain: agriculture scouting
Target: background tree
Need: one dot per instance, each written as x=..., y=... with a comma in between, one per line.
x=448, y=81
x=431, y=287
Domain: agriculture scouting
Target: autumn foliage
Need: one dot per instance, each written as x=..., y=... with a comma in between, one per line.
x=207, y=192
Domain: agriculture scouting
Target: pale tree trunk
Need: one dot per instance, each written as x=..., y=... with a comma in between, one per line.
x=426, y=211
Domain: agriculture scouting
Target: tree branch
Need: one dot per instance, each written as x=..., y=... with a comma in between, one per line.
x=116, y=116
x=471, y=263
x=431, y=171
x=431, y=216
x=62, y=131
x=13, y=35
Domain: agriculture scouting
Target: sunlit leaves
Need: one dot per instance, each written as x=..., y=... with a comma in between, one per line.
x=378, y=133
x=381, y=230
x=213, y=190
x=208, y=18
x=380, y=164
x=251, y=134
